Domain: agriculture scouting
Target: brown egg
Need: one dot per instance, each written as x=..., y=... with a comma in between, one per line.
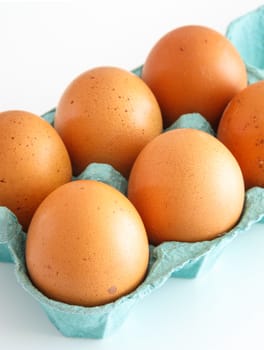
x=187, y=186
x=107, y=115
x=33, y=162
x=241, y=129
x=194, y=69
x=86, y=244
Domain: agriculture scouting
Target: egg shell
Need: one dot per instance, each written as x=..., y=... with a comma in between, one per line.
x=112, y=114
x=241, y=129
x=33, y=162
x=194, y=69
x=187, y=186
x=86, y=244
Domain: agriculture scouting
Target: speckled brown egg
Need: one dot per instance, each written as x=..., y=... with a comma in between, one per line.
x=86, y=245
x=187, y=186
x=194, y=69
x=33, y=162
x=107, y=115
x=241, y=129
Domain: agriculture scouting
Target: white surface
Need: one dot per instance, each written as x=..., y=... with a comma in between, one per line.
x=43, y=47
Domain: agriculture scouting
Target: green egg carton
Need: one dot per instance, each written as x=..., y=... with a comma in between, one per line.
x=247, y=35
x=170, y=259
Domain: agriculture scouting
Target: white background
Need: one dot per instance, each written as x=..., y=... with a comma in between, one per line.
x=43, y=46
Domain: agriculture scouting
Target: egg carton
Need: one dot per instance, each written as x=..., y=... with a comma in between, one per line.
x=169, y=259
x=247, y=35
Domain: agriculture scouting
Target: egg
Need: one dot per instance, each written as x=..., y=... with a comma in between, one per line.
x=107, y=115
x=33, y=162
x=194, y=69
x=86, y=245
x=241, y=129
x=187, y=186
